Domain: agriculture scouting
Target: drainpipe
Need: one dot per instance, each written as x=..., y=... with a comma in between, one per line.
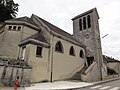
x=51, y=71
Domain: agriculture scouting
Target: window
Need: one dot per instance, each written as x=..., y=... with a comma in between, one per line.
x=81, y=54
x=80, y=24
x=59, y=47
x=84, y=22
x=39, y=51
x=72, y=51
x=10, y=28
x=14, y=28
x=19, y=28
x=89, y=21
x=23, y=52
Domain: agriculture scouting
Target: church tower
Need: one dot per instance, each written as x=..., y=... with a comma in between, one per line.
x=86, y=30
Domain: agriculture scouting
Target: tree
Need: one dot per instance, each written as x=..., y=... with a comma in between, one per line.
x=8, y=10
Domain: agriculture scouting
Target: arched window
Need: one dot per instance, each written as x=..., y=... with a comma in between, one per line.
x=80, y=24
x=72, y=51
x=84, y=22
x=81, y=54
x=59, y=47
x=89, y=21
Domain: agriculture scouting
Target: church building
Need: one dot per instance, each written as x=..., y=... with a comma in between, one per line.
x=52, y=53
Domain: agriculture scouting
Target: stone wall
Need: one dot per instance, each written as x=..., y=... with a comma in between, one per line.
x=115, y=66
x=9, y=40
x=90, y=37
x=9, y=72
x=92, y=73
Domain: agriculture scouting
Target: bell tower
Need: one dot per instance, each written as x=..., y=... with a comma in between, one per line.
x=86, y=30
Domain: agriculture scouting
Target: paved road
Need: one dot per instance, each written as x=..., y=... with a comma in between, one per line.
x=9, y=88
x=113, y=85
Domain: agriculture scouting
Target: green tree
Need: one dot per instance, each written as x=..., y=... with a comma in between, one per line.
x=8, y=10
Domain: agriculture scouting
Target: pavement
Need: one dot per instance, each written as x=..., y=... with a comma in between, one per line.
x=61, y=85
x=58, y=85
x=65, y=85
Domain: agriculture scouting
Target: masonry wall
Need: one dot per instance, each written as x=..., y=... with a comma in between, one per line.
x=39, y=65
x=91, y=75
x=27, y=32
x=115, y=66
x=91, y=38
x=9, y=41
x=54, y=65
x=65, y=65
x=8, y=75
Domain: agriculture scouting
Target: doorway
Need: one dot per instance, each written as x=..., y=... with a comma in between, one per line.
x=90, y=60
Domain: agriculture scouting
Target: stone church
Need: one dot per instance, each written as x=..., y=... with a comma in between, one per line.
x=51, y=53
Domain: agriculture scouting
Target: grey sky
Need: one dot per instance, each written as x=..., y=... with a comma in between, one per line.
x=60, y=13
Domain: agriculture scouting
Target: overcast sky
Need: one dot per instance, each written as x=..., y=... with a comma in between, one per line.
x=60, y=13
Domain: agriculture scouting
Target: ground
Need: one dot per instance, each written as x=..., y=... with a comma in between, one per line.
x=73, y=85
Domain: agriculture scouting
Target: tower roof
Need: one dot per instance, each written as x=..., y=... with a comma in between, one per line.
x=85, y=13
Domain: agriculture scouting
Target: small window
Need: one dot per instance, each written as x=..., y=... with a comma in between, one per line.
x=19, y=28
x=39, y=51
x=80, y=24
x=81, y=54
x=14, y=28
x=10, y=28
x=72, y=51
x=59, y=47
x=84, y=22
x=89, y=21
x=23, y=52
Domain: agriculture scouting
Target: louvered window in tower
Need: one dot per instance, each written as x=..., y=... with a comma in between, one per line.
x=80, y=24
x=89, y=21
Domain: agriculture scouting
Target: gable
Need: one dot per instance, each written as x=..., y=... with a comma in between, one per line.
x=37, y=39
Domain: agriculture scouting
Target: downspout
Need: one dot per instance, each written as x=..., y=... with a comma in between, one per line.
x=51, y=72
